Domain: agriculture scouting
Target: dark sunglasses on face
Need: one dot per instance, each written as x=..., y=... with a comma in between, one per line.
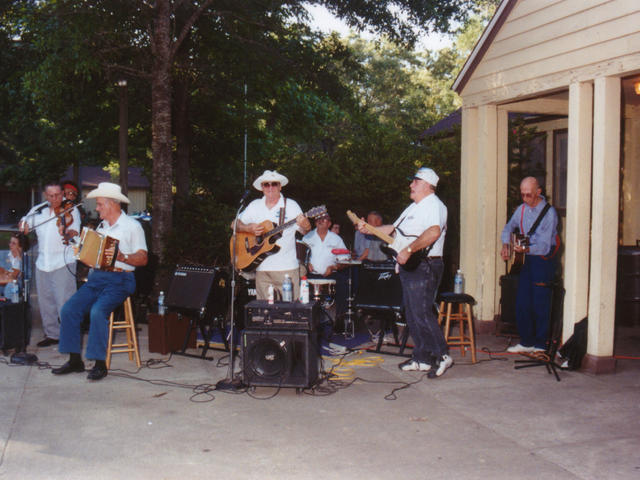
x=270, y=184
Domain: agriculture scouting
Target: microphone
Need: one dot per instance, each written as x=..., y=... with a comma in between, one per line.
x=340, y=251
x=245, y=195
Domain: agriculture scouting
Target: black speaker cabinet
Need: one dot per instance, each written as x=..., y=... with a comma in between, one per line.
x=14, y=330
x=508, y=290
x=379, y=287
x=196, y=288
x=280, y=358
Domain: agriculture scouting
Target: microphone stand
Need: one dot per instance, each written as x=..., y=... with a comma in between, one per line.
x=231, y=383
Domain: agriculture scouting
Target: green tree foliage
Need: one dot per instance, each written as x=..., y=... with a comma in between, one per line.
x=339, y=118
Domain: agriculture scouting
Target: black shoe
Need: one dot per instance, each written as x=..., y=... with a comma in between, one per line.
x=97, y=373
x=47, y=341
x=69, y=367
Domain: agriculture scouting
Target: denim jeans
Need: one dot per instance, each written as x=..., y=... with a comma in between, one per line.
x=419, y=290
x=533, y=300
x=100, y=296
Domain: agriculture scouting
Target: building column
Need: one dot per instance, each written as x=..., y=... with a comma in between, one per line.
x=604, y=225
x=578, y=218
x=502, y=181
x=469, y=191
x=487, y=241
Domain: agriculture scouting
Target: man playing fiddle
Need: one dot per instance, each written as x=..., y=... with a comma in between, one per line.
x=56, y=264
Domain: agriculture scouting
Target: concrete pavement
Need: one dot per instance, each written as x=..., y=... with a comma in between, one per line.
x=476, y=422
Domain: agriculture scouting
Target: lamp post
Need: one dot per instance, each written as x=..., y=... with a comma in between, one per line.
x=123, y=137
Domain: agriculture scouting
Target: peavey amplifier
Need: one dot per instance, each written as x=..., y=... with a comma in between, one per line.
x=259, y=314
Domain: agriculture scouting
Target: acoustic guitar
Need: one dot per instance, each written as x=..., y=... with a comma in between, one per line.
x=516, y=259
x=393, y=244
x=250, y=250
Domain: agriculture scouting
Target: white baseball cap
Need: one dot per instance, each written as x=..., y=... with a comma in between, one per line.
x=427, y=175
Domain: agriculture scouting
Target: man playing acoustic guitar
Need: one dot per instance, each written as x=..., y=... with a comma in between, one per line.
x=536, y=219
x=275, y=208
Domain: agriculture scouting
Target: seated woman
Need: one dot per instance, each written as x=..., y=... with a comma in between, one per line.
x=17, y=245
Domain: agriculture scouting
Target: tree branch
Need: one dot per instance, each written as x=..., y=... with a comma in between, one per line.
x=186, y=28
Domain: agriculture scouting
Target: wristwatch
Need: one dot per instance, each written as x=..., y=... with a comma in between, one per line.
x=409, y=249
x=126, y=257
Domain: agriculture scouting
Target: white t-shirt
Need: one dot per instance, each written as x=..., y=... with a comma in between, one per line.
x=321, y=256
x=129, y=234
x=52, y=252
x=418, y=217
x=257, y=212
x=15, y=263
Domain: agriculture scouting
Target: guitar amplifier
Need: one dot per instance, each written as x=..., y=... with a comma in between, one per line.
x=259, y=314
x=196, y=288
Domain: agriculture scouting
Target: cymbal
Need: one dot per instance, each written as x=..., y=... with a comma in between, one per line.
x=349, y=262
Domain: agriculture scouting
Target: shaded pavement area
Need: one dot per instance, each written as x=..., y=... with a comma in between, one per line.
x=165, y=421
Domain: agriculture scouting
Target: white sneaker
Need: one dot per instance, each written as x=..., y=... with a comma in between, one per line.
x=445, y=362
x=520, y=349
x=413, y=366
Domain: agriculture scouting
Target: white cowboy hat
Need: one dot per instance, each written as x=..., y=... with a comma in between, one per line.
x=108, y=190
x=270, y=176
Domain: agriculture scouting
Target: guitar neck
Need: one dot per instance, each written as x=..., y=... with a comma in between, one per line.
x=280, y=228
x=370, y=228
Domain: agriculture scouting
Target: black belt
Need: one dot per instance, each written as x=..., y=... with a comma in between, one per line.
x=433, y=258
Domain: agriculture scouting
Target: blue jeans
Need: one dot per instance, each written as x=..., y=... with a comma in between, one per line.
x=100, y=296
x=533, y=300
x=419, y=290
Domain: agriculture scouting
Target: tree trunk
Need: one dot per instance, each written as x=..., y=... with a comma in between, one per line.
x=183, y=140
x=161, y=134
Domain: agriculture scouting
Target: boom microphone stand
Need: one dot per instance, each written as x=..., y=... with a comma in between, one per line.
x=231, y=383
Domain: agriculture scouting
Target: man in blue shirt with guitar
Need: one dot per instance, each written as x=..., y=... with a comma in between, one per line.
x=536, y=246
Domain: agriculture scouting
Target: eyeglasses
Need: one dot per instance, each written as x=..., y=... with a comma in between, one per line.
x=270, y=184
x=527, y=195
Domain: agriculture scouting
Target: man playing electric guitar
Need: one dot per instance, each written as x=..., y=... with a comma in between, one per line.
x=275, y=208
x=425, y=221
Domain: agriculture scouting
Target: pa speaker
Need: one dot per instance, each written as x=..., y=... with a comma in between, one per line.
x=14, y=330
x=277, y=358
x=196, y=288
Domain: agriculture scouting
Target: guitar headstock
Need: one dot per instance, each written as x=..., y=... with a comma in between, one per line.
x=316, y=212
x=353, y=217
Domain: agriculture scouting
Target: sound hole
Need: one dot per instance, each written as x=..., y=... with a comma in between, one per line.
x=268, y=358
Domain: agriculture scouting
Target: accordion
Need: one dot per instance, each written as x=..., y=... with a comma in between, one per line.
x=97, y=250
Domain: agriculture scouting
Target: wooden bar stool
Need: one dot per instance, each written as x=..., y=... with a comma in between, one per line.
x=462, y=303
x=131, y=346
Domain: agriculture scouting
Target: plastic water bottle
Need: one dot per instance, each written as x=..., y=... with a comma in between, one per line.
x=12, y=292
x=270, y=295
x=458, y=282
x=287, y=289
x=161, y=307
x=304, y=290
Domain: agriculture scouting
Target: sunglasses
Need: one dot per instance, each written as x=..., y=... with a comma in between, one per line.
x=270, y=184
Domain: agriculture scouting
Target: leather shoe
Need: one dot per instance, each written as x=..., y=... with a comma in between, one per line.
x=97, y=373
x=47, y=341
x=69, y=368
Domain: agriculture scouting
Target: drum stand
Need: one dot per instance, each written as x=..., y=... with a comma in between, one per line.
x=347, y=317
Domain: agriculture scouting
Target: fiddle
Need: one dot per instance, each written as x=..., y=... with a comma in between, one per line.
x=63, y=212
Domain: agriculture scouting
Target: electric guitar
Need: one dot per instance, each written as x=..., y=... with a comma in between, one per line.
x=250, y=250
x=394, y=244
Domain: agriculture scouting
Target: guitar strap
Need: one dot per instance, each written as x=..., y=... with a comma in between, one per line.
x=538, y=220
x=282, y=212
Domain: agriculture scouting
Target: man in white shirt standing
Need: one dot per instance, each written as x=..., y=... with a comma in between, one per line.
x=423, y=225
x=104, y=290
x=56, y=263
x=273, y=268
